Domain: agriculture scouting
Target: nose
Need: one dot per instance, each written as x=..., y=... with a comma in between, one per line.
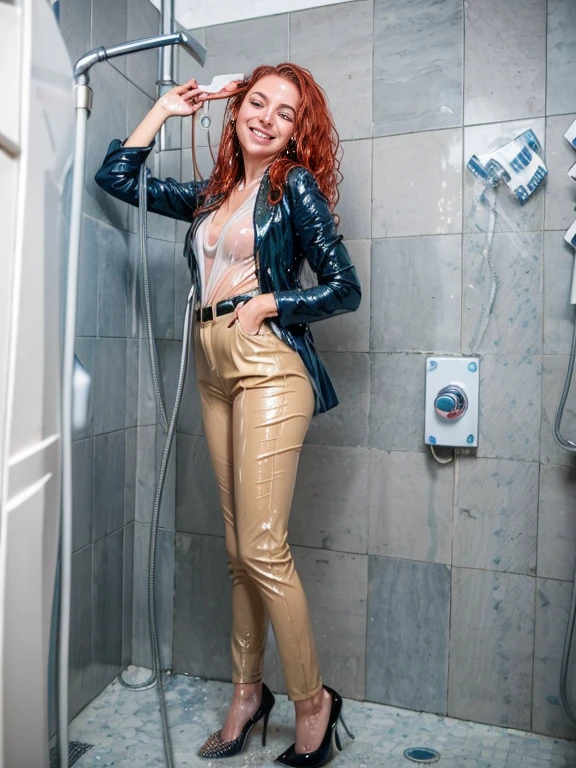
x=266, y=117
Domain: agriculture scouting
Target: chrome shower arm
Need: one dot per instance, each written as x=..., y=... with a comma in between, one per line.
x=86, y=62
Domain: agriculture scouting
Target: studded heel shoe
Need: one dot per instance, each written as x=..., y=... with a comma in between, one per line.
x=215, y=747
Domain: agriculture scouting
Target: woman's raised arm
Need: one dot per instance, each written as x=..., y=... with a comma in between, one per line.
x=118, y=174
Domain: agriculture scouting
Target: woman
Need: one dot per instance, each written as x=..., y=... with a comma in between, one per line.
x=266, y=207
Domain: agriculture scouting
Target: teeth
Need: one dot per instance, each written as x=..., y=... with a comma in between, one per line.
x=261, y=135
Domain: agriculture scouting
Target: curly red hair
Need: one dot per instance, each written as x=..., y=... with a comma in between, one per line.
x=316, y=146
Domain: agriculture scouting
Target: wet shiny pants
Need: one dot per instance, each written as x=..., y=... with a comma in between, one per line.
x=257, y=403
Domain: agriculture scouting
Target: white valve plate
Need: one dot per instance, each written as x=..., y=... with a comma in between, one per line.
x=465, y=373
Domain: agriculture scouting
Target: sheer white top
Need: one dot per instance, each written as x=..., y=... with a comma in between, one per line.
x=228, y=266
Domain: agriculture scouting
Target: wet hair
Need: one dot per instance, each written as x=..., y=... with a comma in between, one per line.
x=316, y=147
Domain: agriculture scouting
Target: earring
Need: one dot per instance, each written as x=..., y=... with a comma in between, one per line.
x=235, y=139
x=291, y=147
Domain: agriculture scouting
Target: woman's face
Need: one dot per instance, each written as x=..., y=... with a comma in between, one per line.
x=266, y=119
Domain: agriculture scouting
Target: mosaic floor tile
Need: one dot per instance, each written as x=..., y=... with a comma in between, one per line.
x=124, y=727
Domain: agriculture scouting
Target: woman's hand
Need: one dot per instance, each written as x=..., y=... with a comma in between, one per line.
x=251, y=313
x=182, y=100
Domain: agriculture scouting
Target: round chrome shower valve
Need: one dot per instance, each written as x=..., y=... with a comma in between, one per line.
x=451, y=402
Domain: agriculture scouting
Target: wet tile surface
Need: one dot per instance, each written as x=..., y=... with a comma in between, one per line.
x=125, y=730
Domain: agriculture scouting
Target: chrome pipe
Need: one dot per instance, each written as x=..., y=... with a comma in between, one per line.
x=190, y=45
x=166, y=58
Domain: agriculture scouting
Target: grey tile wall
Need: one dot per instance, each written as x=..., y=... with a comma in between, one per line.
x=348, y=424
x=331, y=41
x=330, y=507
x=496, y=515
x=80, y=689
x=491, y=647
x=107, y=603
x=558, y=312
x=109, y=385
x=75, y=25
x=109, y=26
x=417, y=184
x=418, y=51
x=355, y=190
x=555, y=368
x=202, y=620
x=407, y=633
x=411, y=500
x=143, y=20
x=552, y=612
x=472, y=560
x=504, y=60
x=515, y=324
x=164, y=591
x=557, y=522
x=561, y=55
x=82, y=492
x=510, y=407
x=109, y=482
x=86, y=318
x=418, y=284
x=197, y=501
x=127, y=593
x=396, y=379
x=116, y=282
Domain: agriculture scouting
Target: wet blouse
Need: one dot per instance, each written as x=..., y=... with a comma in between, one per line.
x=227, y=266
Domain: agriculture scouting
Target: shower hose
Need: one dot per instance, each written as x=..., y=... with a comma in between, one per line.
x=568, y=445
x=169, y=428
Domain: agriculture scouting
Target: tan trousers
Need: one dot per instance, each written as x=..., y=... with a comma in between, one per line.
x=257, y=403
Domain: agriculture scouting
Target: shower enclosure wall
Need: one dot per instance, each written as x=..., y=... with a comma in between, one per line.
x=436, y=588
x=114, y=456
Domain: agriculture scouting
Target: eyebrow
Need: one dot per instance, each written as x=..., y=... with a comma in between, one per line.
x=263, y=95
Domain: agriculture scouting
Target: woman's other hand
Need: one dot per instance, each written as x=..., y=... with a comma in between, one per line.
x=182, y=100
x=251, y=313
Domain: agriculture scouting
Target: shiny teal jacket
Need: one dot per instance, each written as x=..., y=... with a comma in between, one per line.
x=299, y=227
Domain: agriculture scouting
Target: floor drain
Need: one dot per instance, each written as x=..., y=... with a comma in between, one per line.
x=75, y=751
x=422, y=755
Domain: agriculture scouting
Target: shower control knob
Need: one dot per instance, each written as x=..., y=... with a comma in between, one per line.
x=451, y=402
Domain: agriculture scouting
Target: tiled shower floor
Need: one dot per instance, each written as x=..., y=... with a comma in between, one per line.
x=124, y=727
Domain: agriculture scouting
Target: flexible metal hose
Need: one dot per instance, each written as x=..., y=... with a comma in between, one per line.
x=143, y=203
x=170, y=428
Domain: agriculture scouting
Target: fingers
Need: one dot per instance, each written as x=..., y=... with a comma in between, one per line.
x=190, y=84
x=228, y=91
x=193, y=100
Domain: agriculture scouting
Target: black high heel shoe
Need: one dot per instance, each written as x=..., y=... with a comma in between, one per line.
x=330, y=743
x=215, y=747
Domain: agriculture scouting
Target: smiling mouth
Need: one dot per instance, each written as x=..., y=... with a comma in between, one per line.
x=261, y=135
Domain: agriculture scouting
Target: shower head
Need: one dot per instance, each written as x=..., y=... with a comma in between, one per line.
x=86, y=62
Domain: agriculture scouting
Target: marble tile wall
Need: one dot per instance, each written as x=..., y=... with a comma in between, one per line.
x=447, y=586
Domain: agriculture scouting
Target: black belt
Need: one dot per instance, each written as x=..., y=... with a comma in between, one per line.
x=203, y=314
